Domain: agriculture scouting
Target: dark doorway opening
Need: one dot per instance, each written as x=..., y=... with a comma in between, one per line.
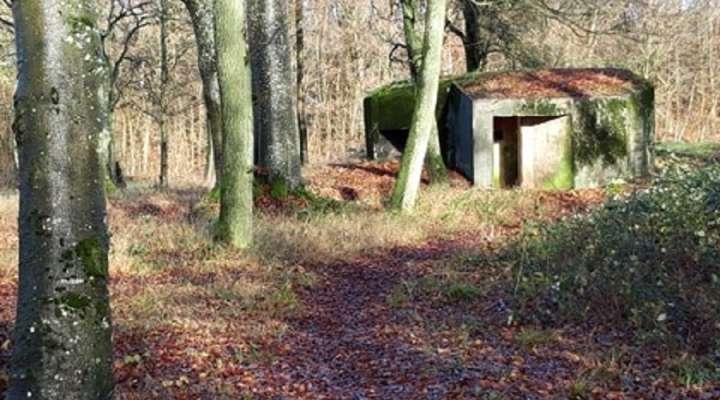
x=507, y=151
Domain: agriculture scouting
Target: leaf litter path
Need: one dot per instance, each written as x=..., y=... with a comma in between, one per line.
x=347, y=343
x=350, y=343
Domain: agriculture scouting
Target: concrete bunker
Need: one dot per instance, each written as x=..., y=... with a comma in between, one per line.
x=545, y=129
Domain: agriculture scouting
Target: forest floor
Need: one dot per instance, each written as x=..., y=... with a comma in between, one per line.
x=342, y=300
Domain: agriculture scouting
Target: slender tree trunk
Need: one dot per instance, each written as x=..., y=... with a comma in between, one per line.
x=300, y=78
x=62, y=334
x=413, y=40
x=277, y=138
x=210, y=174
x=146, y=149
x=132, y=134
x=476, y=43
x=236, y=190
x=406, y=188
x=8, y=176
x=16, y=161
x=108, y=159
x=164, y=164
x=112, y=165
x=164, y=79
x=201, y=14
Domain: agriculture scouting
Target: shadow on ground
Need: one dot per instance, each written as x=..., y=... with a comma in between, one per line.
x=5, y=335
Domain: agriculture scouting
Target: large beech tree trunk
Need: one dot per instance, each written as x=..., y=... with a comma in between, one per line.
x=413, y=42
x=277, y=138
x=201, y=14
x=406, y=188
x=236, y=189
x=62, y=334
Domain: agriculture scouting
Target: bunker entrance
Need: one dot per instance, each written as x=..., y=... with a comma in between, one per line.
x=506, y=148
x=526, y=150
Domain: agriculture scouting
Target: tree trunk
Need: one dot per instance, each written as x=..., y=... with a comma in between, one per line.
x=164, y=79
x=146, y=149
x=476, y=43
x=132, y=129
x=62, y=334
x=413, y=40
x=433, y=160
x=300, y=78
x=201, y=14
x=164, y=164
x=236, y=189
x=8, y=176
x=276, y=130
x=408, y=183
x=210, y=172
x=108, y=159
x=112, y=168
x=106, y=142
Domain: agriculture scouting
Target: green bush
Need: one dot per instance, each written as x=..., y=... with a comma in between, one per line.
x=649, y=262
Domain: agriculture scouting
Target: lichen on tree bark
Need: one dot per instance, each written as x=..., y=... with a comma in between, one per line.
x=408, y=183
x=236, y=195
x=413, y=41
x=62, y=334
x=277, y=139
x=201, y=15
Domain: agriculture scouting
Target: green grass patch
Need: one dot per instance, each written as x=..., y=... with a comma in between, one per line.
x=695, y=150
x=318, y=206
x=691, y=371
x=434, y=288
x=457, y=292
x=399, y=296
x=533, y=338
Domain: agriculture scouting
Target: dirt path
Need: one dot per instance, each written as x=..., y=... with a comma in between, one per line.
x=348, y=344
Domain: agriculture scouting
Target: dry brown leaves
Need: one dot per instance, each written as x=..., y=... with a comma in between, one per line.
x=551, y=83
x=346, y=340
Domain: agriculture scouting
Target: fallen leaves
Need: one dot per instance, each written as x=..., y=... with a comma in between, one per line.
x=220, y=335
x=553, y=83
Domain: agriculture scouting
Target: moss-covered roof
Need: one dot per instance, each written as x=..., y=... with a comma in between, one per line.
x=391, y=106
x=551, y=83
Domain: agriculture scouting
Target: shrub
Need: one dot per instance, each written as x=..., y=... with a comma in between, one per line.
x=649, y=261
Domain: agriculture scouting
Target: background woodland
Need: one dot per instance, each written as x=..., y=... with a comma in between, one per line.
x=350, y=47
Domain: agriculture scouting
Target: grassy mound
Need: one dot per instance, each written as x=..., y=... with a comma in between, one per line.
x=648, y=262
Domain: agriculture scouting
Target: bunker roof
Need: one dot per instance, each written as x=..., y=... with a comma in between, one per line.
x=391, y=107
x=550, y=83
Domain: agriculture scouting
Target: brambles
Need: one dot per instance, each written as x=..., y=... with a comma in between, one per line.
x=649, y=261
